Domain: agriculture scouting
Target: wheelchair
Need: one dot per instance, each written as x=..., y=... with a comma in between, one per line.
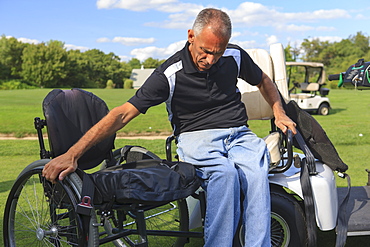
x=40, y=213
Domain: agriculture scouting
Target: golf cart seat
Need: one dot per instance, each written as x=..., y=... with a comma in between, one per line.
x=312, y=87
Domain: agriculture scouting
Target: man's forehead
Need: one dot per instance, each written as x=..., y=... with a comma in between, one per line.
x=219, y=51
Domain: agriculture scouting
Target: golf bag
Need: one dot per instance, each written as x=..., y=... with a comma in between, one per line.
x=357, y=76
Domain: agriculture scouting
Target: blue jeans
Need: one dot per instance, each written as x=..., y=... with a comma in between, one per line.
x=230, y=161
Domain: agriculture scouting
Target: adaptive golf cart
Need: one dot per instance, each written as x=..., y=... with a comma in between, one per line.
x=305, y=82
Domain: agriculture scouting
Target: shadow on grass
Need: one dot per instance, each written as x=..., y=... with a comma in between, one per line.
x=336, y=110
x=6, y=185
x=331, y=112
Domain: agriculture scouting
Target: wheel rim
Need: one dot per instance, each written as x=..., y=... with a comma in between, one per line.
x=324, y=111
x=41, y=212
x=280, y=232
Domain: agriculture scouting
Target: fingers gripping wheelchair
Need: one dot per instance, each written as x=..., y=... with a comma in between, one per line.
x=41, y=213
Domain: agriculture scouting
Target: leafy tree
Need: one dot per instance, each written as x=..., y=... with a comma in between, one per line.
x=360, y=41
x=11, y=58
x=151, y=63
x=134, y=63
x=76, y=68
x=312, y=49
x=44, y=64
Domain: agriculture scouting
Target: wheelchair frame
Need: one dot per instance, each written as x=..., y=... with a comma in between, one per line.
x=112, y=217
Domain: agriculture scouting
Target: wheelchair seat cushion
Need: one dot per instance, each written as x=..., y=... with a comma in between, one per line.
x=71, y=113
x=145, y=181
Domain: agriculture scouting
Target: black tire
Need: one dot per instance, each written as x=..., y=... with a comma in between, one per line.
x=172, y=216
x=135, y=153
x=42, y=213
x=323, y=109
x=288, y=226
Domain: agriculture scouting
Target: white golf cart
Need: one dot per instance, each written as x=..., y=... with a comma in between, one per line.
x=305, y=81
x=289, y=220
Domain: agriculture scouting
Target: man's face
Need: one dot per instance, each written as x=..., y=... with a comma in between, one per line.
x=206, y=48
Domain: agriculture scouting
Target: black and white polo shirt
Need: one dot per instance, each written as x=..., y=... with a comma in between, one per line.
x=199, y=100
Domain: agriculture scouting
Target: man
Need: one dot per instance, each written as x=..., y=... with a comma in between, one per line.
x=198, y=85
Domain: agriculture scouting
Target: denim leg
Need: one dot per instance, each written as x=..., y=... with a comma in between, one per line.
x=250, y=154
x=221, y=181
x=219, y=153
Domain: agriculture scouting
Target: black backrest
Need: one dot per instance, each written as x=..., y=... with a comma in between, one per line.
x=69, y=114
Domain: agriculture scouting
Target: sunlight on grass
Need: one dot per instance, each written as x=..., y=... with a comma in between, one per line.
x=347, y=126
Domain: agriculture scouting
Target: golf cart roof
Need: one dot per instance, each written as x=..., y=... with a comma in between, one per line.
x=310, y=64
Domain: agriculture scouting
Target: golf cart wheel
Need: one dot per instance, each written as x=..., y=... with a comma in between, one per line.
x=288, y=225
x=323, y=109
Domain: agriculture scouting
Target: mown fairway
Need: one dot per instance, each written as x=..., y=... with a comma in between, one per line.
x=348, y=126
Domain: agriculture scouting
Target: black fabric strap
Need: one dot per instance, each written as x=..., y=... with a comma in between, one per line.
x=85, y=207
x=308, y=168
x=343, y=217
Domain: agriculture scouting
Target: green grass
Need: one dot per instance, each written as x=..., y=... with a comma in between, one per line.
x=18, y=108
x=349, y=117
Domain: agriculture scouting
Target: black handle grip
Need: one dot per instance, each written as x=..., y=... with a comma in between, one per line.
x=333, y=77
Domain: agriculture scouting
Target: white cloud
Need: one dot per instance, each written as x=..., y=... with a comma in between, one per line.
x=30, y=41
x=236, y=34
x=132, y=41
x=127, y=41
x=325, y=29
x=156, y=52
x=256, y=14
x=248, y=44
x=140, y=5
x=296, y=28
x=361, y=17
x=103, y=40
x=272, y=40
x=327, y=38
x=76, y=47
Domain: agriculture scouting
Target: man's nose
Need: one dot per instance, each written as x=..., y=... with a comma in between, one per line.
x=211, y=59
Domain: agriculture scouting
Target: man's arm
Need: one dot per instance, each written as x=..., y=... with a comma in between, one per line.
x=66, y=163
x=271, y=95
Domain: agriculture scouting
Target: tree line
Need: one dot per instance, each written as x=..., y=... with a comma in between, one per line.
x=51, y=65
x=336, y=56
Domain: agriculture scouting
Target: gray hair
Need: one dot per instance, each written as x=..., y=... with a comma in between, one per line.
x=217, y=19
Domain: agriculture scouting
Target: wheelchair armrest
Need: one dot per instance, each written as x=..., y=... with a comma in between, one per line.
x=287, y=160
x=169, y=147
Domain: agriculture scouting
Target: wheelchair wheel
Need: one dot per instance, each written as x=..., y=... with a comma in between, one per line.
x=173, y=216
x=40, y=213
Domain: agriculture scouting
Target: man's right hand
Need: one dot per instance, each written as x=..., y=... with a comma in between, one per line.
x=59, y=167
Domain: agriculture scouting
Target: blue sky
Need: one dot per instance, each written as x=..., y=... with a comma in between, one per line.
x=157, y=28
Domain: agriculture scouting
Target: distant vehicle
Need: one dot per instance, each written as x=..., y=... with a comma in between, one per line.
x=305, y=83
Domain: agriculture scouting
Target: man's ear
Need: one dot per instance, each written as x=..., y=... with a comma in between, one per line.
x=191, y=36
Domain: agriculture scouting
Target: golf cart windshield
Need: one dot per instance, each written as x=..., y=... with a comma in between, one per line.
x=304, y=72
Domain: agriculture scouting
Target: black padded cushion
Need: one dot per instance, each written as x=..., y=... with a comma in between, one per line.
x=69, y=114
